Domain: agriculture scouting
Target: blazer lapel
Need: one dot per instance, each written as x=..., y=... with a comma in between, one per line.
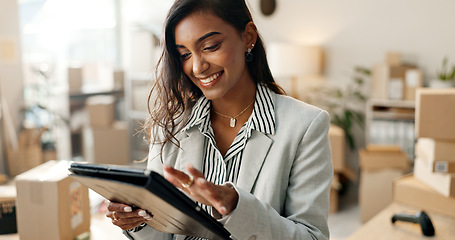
x=191, y=151
x=254, y=155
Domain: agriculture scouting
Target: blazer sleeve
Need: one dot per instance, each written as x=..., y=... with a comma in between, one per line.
x=306, y=204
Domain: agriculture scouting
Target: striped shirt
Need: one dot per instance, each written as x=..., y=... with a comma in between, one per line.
x=221, y=169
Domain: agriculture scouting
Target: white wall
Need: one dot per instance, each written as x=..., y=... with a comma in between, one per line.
x=352, y=32
x=10, y=66
x=358, y=32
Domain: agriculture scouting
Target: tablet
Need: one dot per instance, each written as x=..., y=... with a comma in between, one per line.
x=172, y=210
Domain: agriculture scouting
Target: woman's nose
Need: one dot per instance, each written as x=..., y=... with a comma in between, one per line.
x=199, y=64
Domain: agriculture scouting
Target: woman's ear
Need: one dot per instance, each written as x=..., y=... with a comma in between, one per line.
x=250, y=35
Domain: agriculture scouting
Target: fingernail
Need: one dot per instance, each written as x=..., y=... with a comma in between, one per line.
x=148, y=217
x=224, y=210
x=201, y=180
x=142, y=213
x=127, y=209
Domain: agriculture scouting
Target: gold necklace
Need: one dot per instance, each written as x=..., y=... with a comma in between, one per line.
x=233, y=120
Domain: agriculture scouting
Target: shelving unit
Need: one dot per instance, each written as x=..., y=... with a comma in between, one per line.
x=137, y=86
x=391, y=122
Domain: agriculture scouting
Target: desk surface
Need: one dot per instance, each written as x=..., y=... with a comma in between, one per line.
x=381, y=228
x=101, y=228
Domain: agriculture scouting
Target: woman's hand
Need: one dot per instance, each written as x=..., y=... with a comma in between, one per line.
x=126, y=217
x=223, y=198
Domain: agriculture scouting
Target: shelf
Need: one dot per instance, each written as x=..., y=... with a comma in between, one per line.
x=392, y=103
x=391, y=122
x=392, y=116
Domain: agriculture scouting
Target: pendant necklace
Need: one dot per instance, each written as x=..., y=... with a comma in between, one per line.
x=233, y=120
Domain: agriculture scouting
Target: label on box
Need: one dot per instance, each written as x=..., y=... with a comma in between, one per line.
x=441, y=167
x=412, y=77
x=76, y=204
x=396, y=88
x=7, y=207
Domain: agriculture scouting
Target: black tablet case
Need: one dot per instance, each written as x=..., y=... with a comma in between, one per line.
x=173, y=211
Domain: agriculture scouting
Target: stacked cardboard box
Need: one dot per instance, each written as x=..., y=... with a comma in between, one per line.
x=379, y=165
x=435, y=149
x=105, y=140
x=394, y=80
x=337, y=143
x=51, y=205
x=28, y=154
x=341, y=170
x=411, y=191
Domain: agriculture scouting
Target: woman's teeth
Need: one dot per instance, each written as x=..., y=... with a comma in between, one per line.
x=210, y=79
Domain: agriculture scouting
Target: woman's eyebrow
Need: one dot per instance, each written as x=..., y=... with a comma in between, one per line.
x=207, y=35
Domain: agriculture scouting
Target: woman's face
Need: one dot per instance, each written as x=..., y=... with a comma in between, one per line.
x=212, y=53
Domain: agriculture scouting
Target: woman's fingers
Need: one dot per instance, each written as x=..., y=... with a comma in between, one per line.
x=193, y=171
x=178, y=178
x=113, y=206
x=224, y=199
x=125, y=216
x=214, y=194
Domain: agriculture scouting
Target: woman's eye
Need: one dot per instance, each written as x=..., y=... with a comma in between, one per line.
x=212, y=47
x=185, y=56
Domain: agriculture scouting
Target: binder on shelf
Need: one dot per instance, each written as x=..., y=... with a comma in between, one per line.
x=172, y=210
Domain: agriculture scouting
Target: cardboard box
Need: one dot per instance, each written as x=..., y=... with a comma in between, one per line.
x=375, y=191
x=435, y=113
x=8, y=209
x=101, y=110
x=382, y=75
x=29, y=153
x=443, y=183
x=75, y=79
x=335, y=187
x=119, y=79
x=438, y=154
x=337, y=143
x=393, y=58
x=409, y=190
x=377, y=157
x=413, y=81
x=51, y=205
x=107, y=145
x=23, y=159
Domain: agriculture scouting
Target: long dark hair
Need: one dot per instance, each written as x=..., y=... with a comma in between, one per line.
x=173, y=94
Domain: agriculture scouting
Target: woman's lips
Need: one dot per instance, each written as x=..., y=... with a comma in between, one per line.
x=210, y=79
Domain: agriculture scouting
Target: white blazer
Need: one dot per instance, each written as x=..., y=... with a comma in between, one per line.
x=284, y=179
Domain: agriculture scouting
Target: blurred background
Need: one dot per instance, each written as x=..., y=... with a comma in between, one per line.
x=75, y=74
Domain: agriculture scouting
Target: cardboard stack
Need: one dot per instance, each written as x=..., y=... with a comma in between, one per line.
x=435, y=149
x=379, y=165
x=394, y=80
x=105, y=140
x=411, y=191
x=51, y=205
x=28, y=154
x=341, y=170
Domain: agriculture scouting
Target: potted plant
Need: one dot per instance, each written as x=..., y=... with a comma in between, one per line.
x=445, y=77
x=346, y=105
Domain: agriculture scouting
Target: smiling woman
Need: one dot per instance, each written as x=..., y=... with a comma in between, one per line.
x=223, y=132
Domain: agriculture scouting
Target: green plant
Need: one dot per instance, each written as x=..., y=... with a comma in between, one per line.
x=446, y=74
x=346, y=105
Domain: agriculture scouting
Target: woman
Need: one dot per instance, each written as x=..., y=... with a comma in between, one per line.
x=223, y=131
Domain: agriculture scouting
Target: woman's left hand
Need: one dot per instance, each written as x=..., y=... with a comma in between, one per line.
x=223, y=198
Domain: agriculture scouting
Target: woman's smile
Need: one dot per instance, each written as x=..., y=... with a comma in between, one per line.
x=210, y=79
